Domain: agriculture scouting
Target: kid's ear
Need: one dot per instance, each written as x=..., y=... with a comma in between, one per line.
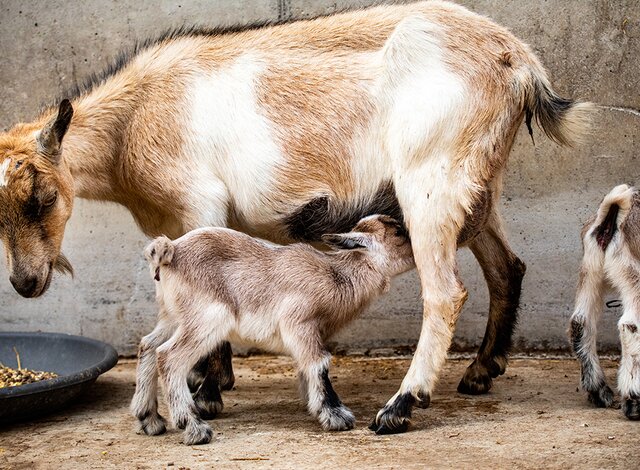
x=347, y=241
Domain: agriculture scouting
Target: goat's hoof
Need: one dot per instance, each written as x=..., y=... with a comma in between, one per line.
x=208, y=409
x=631, y=408
x=197, y=432
x=602, y=397
x=339, y=418
x=382, y=429
x=395, y=417
x=153, y=425
x=476, y=380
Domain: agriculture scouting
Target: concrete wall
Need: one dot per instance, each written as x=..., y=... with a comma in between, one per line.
x=590, y=48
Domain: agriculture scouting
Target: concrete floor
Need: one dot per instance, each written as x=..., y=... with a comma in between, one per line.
x=533, y=418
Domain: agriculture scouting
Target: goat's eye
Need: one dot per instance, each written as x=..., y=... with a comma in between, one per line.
x=153, y=252
x=19, y=164
x=50, y=200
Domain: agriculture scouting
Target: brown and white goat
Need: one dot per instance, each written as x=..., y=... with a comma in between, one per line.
x=216, y=284
x=293, y=130
x=611, y=261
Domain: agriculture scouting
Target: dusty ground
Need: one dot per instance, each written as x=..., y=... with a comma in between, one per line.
x=533, y=418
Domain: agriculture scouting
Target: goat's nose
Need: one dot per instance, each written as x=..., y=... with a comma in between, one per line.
x=24, y=285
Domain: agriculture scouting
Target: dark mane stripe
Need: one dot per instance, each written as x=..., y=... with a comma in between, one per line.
x=125, y=57
x=184, y=31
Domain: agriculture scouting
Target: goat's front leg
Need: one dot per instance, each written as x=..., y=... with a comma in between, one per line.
x=144, y=404
x=503, y=271
x=315, y=386
x=433, y=225
x=179, y=355
x=584, y=323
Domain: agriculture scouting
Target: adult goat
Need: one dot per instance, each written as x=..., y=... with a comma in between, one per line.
x=294, y=130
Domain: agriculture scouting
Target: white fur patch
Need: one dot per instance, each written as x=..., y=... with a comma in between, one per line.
x=231, y=144
x=3, y=172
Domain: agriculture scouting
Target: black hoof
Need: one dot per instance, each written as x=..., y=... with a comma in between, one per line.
x=475, y=385
x=383, y=429
x=478, y=378
x=602, y=398
x=631, y=408
x=395, y=418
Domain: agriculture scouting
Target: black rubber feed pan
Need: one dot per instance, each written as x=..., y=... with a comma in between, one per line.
x=78, y=362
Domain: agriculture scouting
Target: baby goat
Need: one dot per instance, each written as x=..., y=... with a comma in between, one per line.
x=611, y=241
x=216, y=284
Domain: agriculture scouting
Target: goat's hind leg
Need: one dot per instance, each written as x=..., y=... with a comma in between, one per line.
x=503, y=271
x=144, y=404
x=584, y=323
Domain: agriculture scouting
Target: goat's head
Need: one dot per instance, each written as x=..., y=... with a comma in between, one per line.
x=36, y=199
x=381, y=235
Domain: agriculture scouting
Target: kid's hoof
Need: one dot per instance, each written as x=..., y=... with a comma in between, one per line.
x=337, y=419
x=394, y=418
x=153, y=425
x=602, y=398
x=197, y=432
x=382, y=429
x=631, y=408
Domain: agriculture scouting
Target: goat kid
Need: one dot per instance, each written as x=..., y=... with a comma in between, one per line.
x=611, y=242
x=216, y=284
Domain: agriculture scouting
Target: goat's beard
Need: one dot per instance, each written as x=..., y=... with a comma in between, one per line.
x=62, y=265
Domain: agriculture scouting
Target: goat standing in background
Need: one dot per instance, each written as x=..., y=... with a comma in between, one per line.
x=290, y=131
x=611, y=243
x=216, y=284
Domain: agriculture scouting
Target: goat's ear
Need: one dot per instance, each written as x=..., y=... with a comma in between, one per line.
x=50, y=137
x=347, y=241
